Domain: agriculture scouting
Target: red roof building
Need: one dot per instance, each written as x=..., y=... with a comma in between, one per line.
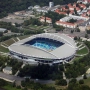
x=48, y=20
x=66, y=24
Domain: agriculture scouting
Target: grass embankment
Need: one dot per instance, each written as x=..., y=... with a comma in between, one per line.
x=2, y=49
x=9, y=42
x=82, y=51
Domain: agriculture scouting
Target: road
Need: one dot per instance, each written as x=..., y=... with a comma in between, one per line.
x=10, y=78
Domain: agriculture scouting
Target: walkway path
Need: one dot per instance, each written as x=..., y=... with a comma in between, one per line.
x=18, y=70
x=13, y=39
x=3, y=46
x=18, y=39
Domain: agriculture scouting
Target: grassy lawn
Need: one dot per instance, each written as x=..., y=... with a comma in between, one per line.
x=2, y=49
x=9, y=42
x=87, y=81
x=9, y=87
x=57, y=86
x=76, y=59
x=83, y=51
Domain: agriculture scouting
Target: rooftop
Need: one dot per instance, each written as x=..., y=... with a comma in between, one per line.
x=8, y=68
x=58, y=53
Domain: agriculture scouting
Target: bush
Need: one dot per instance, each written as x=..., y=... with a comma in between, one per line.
x=61, y=82
x=81, y=81
x=18, y=87
x=84, y=77
x=73, y=80
x=2, y=82
x=23, y=83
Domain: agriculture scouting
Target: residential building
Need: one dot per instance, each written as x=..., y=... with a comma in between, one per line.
x=66, y=24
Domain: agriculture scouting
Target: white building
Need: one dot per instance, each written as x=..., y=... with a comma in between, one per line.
x=2, y=29
x=42, y=10
x=36, y=7
x=7, y=70
x=35, y=54
x=67, y=18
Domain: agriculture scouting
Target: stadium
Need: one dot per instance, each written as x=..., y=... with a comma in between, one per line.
x=46, y=48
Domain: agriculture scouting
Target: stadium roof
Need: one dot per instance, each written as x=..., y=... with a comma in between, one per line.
x=64, y=51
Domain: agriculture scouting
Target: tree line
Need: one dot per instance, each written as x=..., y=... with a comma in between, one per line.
x=42, y=71
x=9, y=6
x=79, y=67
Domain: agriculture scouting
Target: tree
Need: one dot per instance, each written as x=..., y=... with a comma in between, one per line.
x=1, y=34
x=88, y=31
x=84, y=77
x=74, y=80
x=23, y=84
x=78, y=30
x=72, y=20
x=2, y=82
x=14, y=84
x=86, y=35
x=81, y=81
x=72, y=31
x=75, y=11
x=62, y=82
x=66, y=7
x=75, y=38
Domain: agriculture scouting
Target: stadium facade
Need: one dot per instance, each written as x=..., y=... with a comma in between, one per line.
x=47, y=48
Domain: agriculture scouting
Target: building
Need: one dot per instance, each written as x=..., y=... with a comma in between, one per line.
x=36, y=7
x=60, y=12
x=7, y=70
x=46, y=48
x=85, y=1
x=66, y=24
x=84, y=26
x=48, y=20
x=30, y=7
x=2, y=29
x=44, y=10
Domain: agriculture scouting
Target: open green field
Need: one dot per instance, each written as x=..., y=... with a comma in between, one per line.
x=2, y=49
x=82, y=51
x=9, y=87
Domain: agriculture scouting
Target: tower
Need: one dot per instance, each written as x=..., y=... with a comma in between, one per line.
x=51, y=4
